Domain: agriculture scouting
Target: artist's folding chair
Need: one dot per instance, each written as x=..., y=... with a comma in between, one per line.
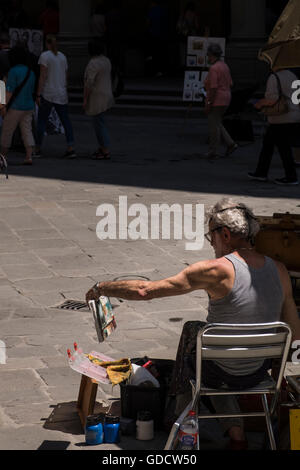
x=235, y=342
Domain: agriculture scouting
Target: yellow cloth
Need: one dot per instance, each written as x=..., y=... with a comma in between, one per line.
x=117, y=371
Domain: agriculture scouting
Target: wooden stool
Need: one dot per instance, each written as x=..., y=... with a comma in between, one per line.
x=86, y=398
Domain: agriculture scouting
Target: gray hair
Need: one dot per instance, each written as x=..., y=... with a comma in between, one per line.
x=237, y=217
x=215, y=49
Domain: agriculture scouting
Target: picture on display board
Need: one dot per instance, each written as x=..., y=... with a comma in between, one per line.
x=31, y=38
x=197, y=46
x=25, y=36
x=36, y=43
x=191, y=61
x=14, y=35
x=193, y=87
x=203, y=76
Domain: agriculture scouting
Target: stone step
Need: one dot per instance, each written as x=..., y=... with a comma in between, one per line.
x=148, y=98
x=147, y=110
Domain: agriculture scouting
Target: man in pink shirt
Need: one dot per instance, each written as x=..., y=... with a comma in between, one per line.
x=218, y=88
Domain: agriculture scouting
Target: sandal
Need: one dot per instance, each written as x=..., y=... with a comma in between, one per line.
x=101, y=156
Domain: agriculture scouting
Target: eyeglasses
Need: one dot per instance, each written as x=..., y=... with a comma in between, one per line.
x=208, y=235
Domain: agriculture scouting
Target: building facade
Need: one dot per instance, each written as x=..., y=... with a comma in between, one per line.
x=246, y=25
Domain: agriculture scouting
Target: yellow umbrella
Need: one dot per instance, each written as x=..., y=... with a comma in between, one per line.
x=283, y=47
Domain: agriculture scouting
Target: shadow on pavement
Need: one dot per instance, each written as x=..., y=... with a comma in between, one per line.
x=54, y=445
x=153, y=153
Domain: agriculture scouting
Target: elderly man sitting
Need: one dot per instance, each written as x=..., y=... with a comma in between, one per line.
x=243, y=287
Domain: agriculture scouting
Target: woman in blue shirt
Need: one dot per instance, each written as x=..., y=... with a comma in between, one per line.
x=21, y=107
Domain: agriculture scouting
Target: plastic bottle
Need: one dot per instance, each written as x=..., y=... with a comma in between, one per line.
x=94, y=430
x=112, y=429
x=188, y=432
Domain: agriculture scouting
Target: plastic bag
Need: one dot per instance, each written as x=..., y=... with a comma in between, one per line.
x=140, y=375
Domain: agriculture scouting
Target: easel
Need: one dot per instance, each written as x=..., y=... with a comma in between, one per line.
x=86, y=398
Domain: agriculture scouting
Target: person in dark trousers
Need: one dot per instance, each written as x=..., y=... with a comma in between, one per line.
x=52, y=93
x=281, y=130
x=218, y=85
x=98, y=95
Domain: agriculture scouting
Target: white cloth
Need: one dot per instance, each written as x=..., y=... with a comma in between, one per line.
x=97, y=78
x=286, y=79
x=55, y=88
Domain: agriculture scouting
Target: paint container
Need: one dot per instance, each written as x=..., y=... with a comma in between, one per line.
x=112, y=429
x=144, y=426
x=94, y=429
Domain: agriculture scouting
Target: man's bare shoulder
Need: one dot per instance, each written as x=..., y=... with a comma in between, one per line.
x=216, y=266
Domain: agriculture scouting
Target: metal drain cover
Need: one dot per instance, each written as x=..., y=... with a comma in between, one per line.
x=73, y=305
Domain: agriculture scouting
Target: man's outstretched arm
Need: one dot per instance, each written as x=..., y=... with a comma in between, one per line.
x=198, y=276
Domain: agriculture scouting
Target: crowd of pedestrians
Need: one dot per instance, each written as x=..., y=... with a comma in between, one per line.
x=32, y=91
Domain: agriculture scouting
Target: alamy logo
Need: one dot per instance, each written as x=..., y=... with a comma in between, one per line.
x=296, y=95
x=2, y=352
x=2, y=92
x=154, y=225
x=296, y=354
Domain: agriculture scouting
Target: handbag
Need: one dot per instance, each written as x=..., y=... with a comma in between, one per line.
x=281, y=105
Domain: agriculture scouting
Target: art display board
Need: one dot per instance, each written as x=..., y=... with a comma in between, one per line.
x=33, y=38
x=193, y=89
x=197, y=50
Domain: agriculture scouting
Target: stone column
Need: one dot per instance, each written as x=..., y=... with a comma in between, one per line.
x=248, y=35
x=73, y=36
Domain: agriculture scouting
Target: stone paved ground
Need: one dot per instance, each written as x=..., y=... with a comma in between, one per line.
x=49, y=252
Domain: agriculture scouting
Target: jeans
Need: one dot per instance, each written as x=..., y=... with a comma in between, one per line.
x=101, y=130
x=43, y=115
x=217, y=130
x=280, y=136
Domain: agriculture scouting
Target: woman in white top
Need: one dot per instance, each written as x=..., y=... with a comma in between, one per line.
x=281, y=129
x=98, y=95
x=52, y=92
